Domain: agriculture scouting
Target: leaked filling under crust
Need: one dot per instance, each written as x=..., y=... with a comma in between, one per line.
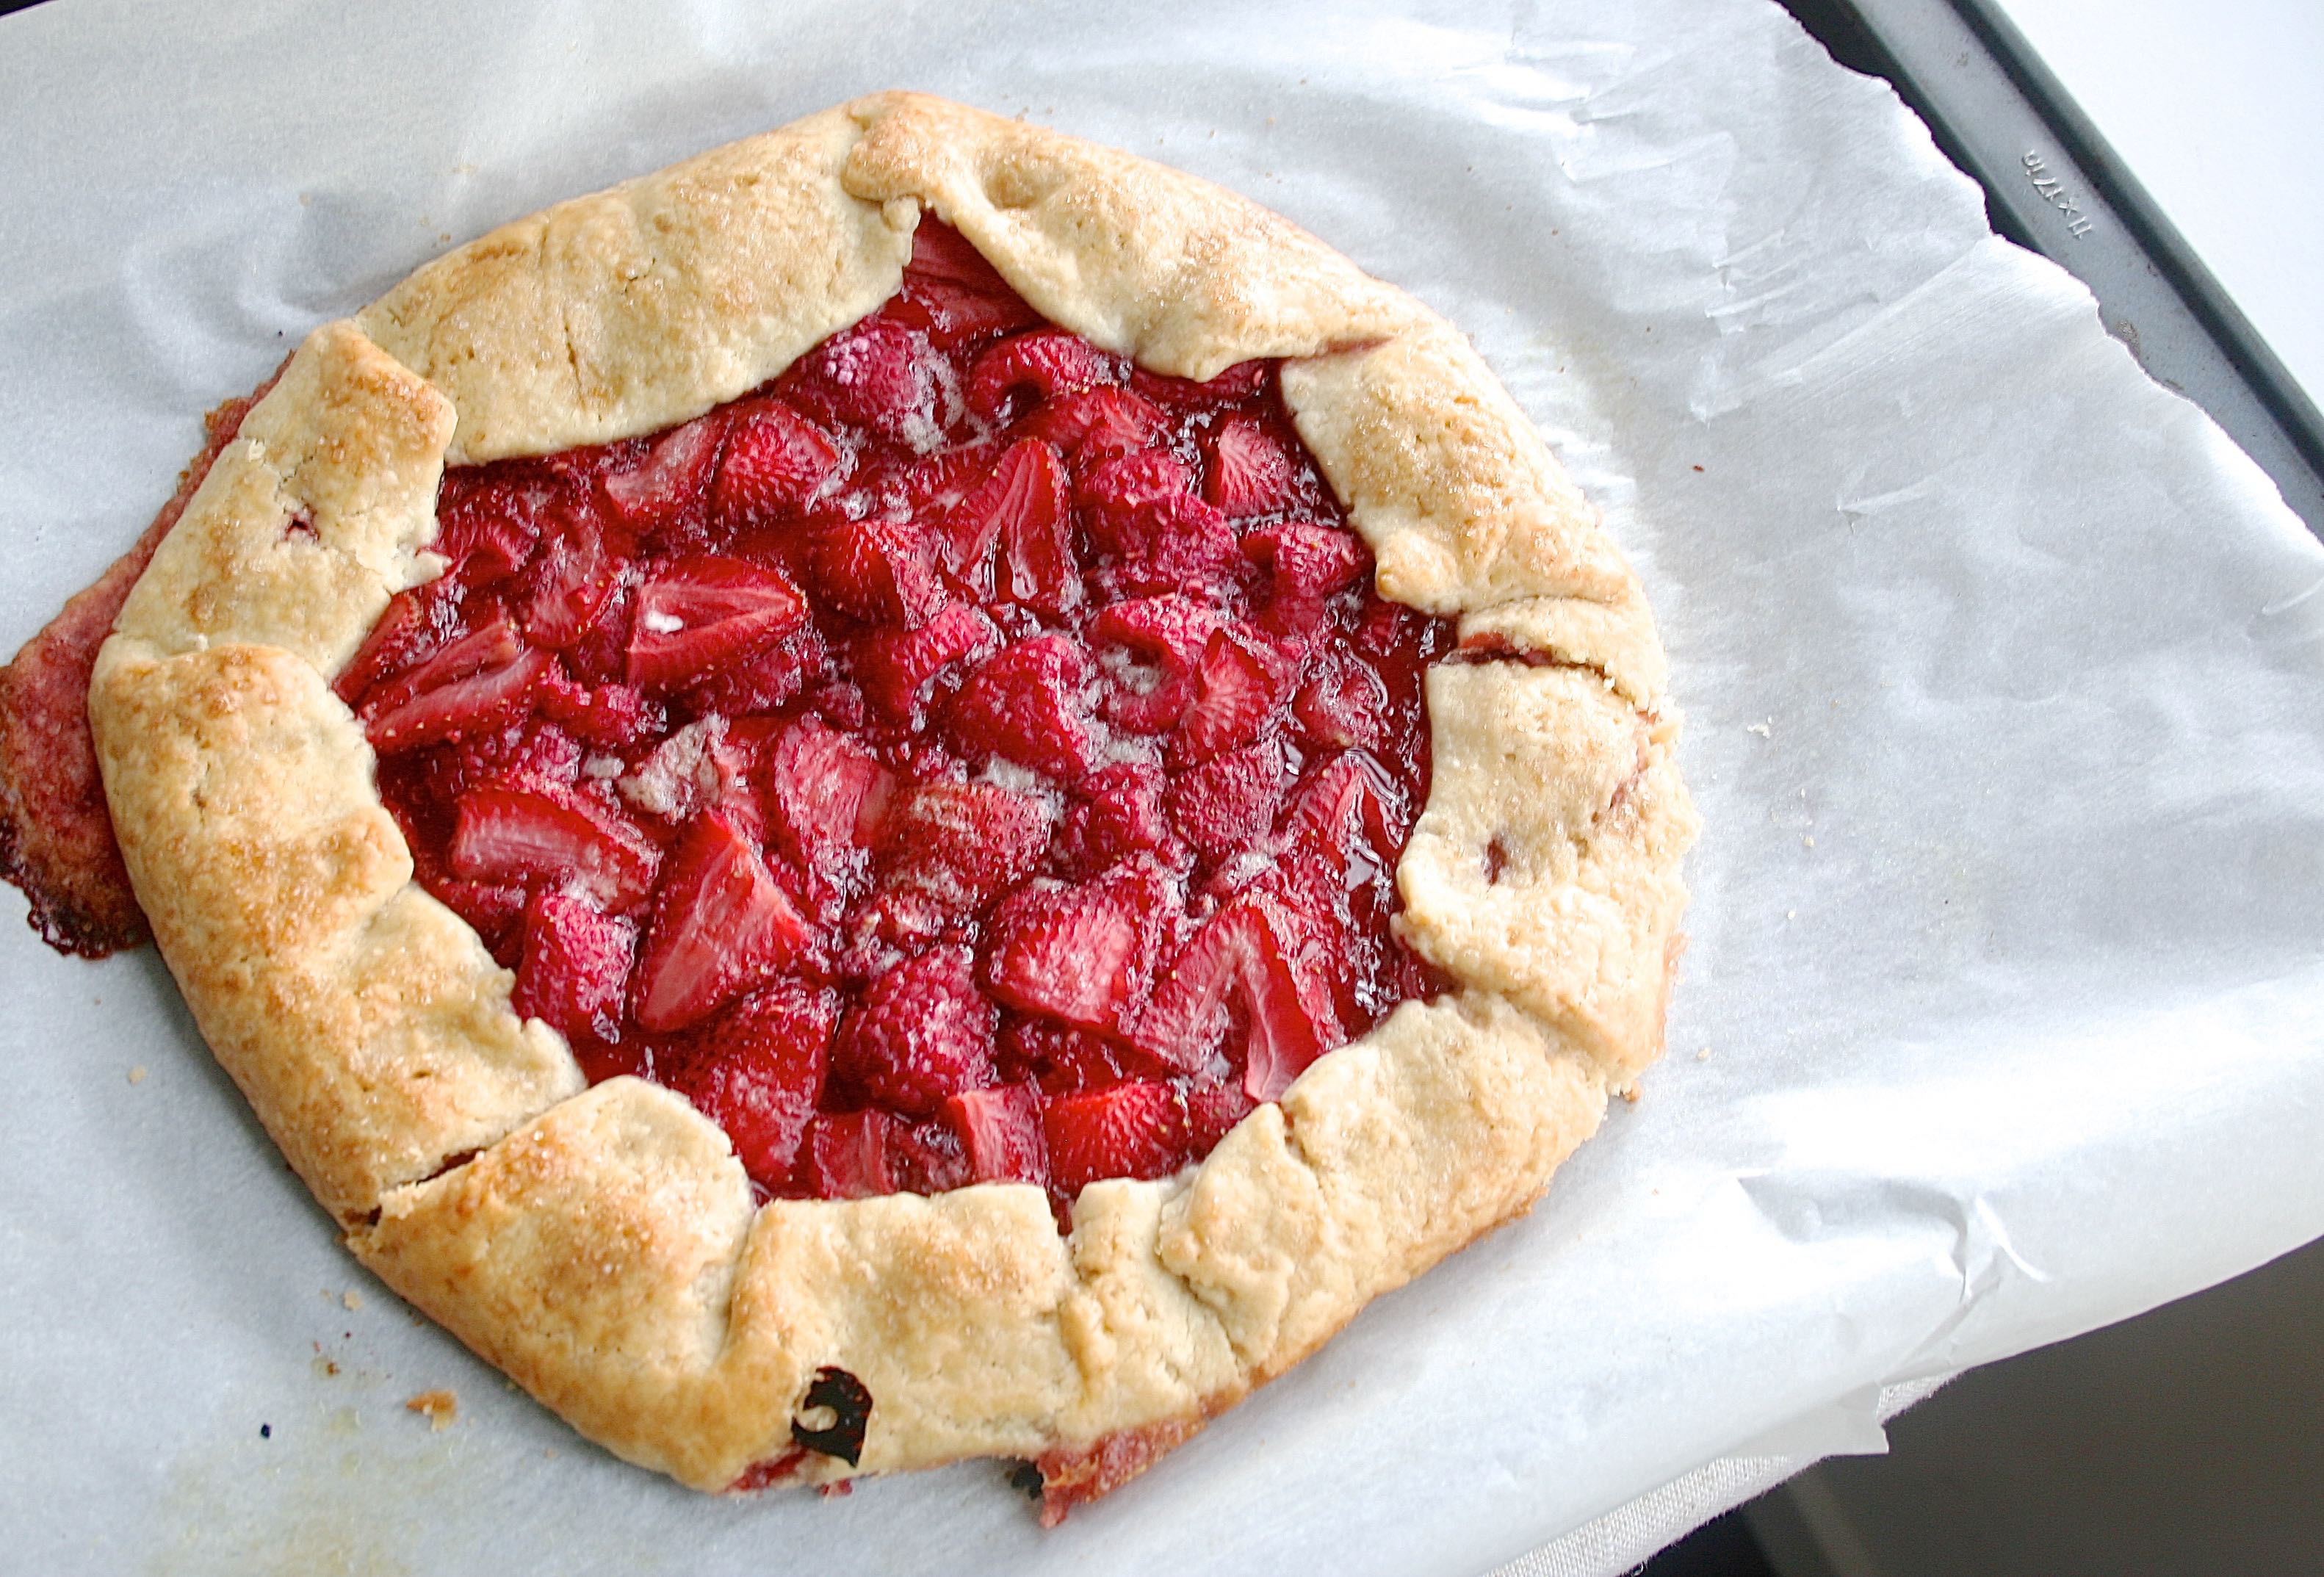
x=967, y=758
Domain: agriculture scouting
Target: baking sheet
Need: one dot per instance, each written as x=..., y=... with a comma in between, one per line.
x=2000, y=1016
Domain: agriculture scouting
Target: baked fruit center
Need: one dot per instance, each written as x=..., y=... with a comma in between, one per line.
x=967, y=758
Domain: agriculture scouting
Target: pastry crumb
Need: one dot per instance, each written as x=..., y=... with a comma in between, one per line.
x=1791, y=913
x=1703, y=1054
x=351, y=1298
x=441, y=1407
x=1808, y=842
x=137, y=1074
x=1764, y=730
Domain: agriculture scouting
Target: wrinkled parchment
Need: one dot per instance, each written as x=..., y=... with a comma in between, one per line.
x=2001, y=666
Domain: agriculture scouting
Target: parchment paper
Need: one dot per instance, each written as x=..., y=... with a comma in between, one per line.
x=2000, y=1017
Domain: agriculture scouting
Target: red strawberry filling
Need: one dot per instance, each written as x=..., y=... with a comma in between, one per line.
x=967, y=758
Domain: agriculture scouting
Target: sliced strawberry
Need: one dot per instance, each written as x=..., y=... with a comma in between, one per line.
x=1061, y=1058
x=927, y=1158
x=772, y=679
x=1342, y=706
x=1040, y=364
x=926, y=485
x=569, y=587
x=1252, y=470
x=942, y=254
x=891, y=925
x=1239, y=684
x=921, y=1033
x=1172, y=630
x=961, y=844
x=698, y=614
x=849, y=1155
x=1022, y=508
x=721, y=926
x=827, y=794
x=518, y=835
x=1083, y=954
x=954, y=293
x=1241, y=975
x=898, y=668
x=750, y=742
x=1230, y=801
x=881, y=571
x=1116, y=813
x=536, y=754
x=1241, y=381
x=489, y=550
x=1092, y=425
x=1212, y=1110
x=1031, y=704
x=1041, y=572
x=665, y=491
x=1336, y=876
x=418, y=623
x=491, y=910
x=577, y=964
x=880, y=374
x=1186, y=547
x=757, y=1071
x=602, y=656
x=609, y=716
x=493, y=646
x=741, y=759
x=1136, y=1129
x=489, y=699
x=1350, y=796
x=1123, y=497
x=776, y=463
x=1392, y=634
x=1000, y=1129
x=1308, y=561
x=969, y=528
x=489, y=521
x=1315, y=914
x=1171, y=633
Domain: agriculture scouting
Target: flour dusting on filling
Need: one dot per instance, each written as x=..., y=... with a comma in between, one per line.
x=967, y=758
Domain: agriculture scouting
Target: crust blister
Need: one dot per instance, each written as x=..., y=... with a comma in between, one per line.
x=602, y=1248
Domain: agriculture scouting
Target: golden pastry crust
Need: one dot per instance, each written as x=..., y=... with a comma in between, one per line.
x=600, y=1245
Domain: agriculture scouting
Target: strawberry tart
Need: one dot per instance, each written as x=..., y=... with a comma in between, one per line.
x=913, y=790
